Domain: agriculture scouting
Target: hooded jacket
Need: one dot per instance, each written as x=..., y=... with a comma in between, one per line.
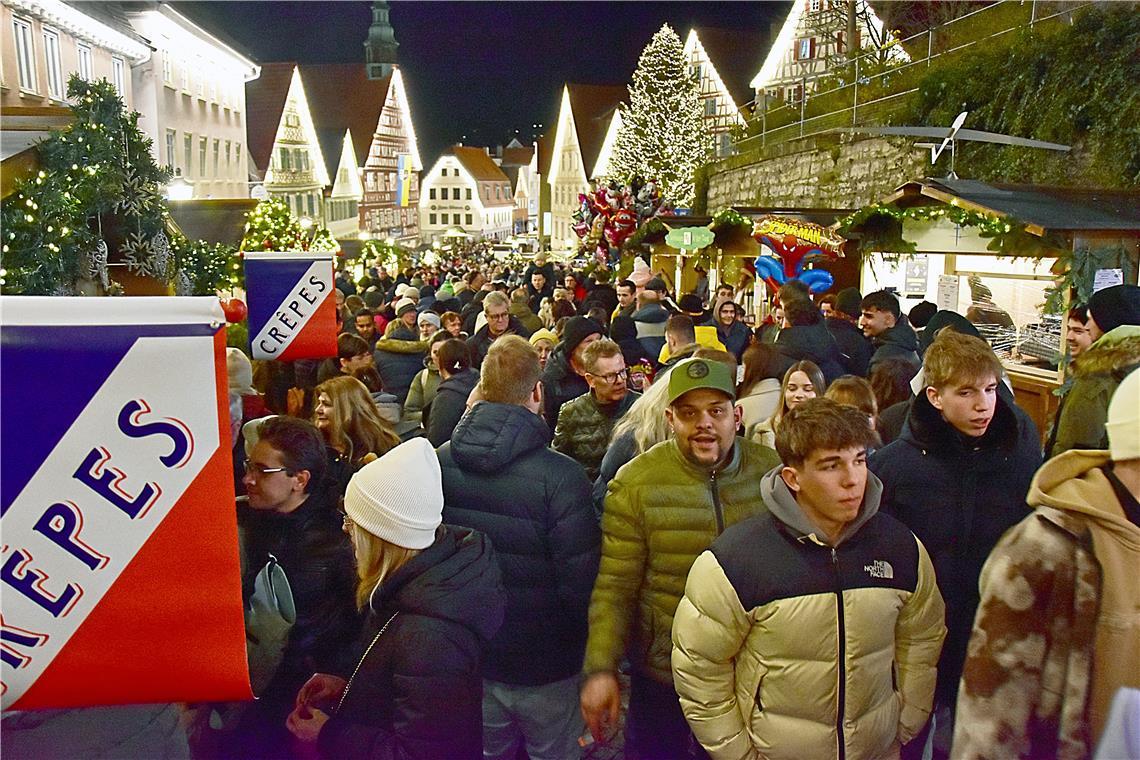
x=812, y=343
x=1097, y=372
x=661, y=512
x=533, y=503
x=734, y=337
x=752, y=684
x=899, y=341
x=584, y=427
x=449, y=405
x=417, y=691
x=958, y=495
x=650, y=321
x=1028, y=687
x=560, y=383
x=399, y=357
x=421, y=393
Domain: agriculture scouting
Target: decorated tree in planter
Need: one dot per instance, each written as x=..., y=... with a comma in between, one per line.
x=662, y=133
x=324, y=242
x=96, y=202
x=271, y=226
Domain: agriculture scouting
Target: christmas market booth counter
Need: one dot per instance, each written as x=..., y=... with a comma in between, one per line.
x=1011, y=258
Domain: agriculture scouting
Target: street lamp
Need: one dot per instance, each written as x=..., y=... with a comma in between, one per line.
x=179, y=188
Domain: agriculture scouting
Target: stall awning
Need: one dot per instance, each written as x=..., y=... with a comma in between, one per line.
x=1042, y=208
x=213, y=220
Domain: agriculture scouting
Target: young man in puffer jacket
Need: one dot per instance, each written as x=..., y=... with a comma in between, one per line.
x=814, y=628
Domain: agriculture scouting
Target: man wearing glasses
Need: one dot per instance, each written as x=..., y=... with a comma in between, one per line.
x=292, y=515
x=497, y=311
x=585, y=423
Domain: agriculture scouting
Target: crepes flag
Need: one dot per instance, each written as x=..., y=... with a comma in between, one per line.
x=292, y=311
x=120, y=579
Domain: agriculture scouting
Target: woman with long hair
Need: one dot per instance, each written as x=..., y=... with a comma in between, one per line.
x=758, y=394
x=434, y=598
x=802, y=381
x=352, y=427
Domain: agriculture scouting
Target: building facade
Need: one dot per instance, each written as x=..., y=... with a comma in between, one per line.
x=46, y=41
x=391, y=172
x=722, y=61
x=190, y=95
x=466, y=189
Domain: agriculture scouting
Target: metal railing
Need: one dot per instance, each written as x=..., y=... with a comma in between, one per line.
x=878, y=90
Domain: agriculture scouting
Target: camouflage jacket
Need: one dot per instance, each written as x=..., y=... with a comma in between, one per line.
x=1058, y=602
x=584, y=427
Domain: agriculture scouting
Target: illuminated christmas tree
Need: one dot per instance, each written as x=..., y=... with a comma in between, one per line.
x=662, y=134
x=271, y=226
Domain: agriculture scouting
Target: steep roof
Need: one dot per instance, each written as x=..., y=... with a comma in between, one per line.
x=478, y=164
x=545, y=146
x=593, y=106
x=264, y=103
x=736, y=54
x=519, y=156
x=341, y=96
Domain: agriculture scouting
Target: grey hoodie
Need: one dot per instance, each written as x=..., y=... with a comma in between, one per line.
x=782, y=504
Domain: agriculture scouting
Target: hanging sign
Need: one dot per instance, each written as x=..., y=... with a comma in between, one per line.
x=120, y=574
x=292, y=311
x=689, y=238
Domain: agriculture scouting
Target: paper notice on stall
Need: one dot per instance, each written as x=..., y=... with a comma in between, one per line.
x=1106, y=278
x=948, y=292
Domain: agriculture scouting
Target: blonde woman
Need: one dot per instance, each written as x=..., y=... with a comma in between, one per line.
x=802, y=381
x=352, y=427
x=433, y=597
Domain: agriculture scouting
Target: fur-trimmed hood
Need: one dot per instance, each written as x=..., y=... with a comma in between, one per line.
x=1116, y=352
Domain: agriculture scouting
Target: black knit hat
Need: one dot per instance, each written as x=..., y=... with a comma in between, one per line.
x=1112, y=307
x=577, y=329
x=848, y=300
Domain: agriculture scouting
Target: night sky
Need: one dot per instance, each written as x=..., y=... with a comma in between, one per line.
x=476, y=71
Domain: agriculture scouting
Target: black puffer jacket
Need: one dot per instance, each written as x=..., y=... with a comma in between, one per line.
x=560, y=383
x=448, y=406
x=418, y=693
x=900, y=341
x=534, y=504
x=812, y=343
x=479, y=343
x=959, y=496
x=854, y=348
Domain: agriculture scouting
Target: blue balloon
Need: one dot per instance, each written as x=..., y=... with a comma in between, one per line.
x=817, y=280
x=766, y=267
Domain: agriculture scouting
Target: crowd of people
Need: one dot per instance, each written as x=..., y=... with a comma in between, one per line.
x=518, y=492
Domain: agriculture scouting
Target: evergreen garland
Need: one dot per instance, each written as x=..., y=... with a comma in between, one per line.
x=663, y=134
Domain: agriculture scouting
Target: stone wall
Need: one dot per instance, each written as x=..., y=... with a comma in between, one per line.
x=826, y=171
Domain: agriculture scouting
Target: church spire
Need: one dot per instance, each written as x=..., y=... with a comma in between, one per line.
x=380, y=47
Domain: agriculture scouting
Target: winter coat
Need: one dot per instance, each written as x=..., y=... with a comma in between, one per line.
x=899, y=341
x=527, y=318
x=584, y=427
x=560, y=383
x=533, y=504
x=449, y=405
x=1059, y=602
x=891, y=421
x=602, y=295
x=481, y=341
x=752, y=683
x=153, y=731
x=421, y=393
x=620, y=452
x=650, y=322
x=764, y=433
x=759, y=405
x=958, y=495
x=734, y=337
x=661, y=512
x=417, y=691
x=399, y=357
x=854, y=348
x=1097, y=372
x=812, y=343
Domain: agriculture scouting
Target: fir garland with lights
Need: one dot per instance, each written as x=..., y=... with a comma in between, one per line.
x=663, y=132
x=95, y=202
x=205, y=269
x=384, y=254
x=324, y=242
x=271, y=226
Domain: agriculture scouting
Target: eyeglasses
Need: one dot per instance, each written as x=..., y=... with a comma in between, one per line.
x=258, y=470
x=504, y=315
x=612, y=377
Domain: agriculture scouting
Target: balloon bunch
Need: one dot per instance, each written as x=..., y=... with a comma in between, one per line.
x=608, y=215
x=792, y=245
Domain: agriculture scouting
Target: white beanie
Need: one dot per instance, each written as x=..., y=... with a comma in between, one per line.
x=399, y=497
x=401, y=289
x=239, y=370
x=1123, y=423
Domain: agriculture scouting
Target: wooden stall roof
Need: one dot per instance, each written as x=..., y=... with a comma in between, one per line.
x=218, y=220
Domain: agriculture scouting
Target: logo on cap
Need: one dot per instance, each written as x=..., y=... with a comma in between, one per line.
x=697, y=370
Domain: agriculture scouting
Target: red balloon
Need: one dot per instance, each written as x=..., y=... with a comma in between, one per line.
x=234, y=309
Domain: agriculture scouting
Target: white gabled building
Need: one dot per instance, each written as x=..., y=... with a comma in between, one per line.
x=466, y=189
x=584, y=137
x=190, y=95
x=812, y=38
x=723, y=62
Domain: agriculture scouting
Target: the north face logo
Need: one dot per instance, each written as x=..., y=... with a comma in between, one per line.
x=880, y=569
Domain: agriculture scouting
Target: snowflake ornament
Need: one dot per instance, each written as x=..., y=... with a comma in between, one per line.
x=97, y=264
x=137, y=254
x=160, y=263
x=182, y=284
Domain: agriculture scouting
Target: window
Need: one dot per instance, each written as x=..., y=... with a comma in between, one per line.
x=469, y=222
x=217, y=156
x=228, y=144
x=710, y=106
x=431, y=193
x=201, y=70
x=51, y=62
x=443, y=193
x=815, y=6
x=187, y=153
x=431, y=218
x=805, y=49
x=695, y=71
x=83, y=54
x=171, y=159
x=186, y=77
x=203, y=144
x=311, y=206
x=25, y=51
x=214, y=90
x=119, y=75
x=167, y=68
x=284, y=158
x=498, y=193
x=468, y=193
x=455, y=218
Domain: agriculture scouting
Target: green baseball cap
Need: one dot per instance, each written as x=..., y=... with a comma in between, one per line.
x=693, y=373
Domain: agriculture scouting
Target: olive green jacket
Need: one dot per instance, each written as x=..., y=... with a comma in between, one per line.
x=661, y=512
x=1097, y=372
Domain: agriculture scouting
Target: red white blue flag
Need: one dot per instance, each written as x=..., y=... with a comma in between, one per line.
x=120, y=579
x=292, y=311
